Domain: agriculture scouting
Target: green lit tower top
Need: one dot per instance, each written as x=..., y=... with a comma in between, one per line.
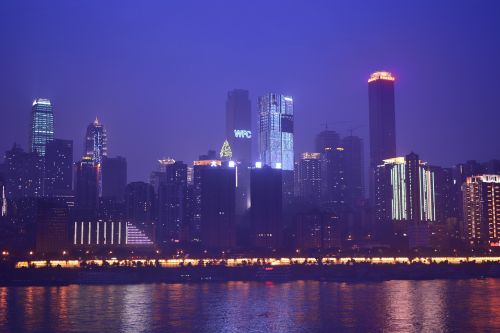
x=42, y=125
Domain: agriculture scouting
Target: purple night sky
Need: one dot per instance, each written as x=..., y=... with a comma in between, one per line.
x=157, y=72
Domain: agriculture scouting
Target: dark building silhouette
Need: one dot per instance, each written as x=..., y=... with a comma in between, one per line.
x=326, y=139
x=217, y=185
x=333, y=190
x=58, y=168
x=353, y=169
x=87, y=186
x=23, y=176
x=239, y=124
x=171, y=203
x=382, y=119
x=52, y=222
x=139, y=203
x=114, y=177
x=317, y=230
x=266, y=208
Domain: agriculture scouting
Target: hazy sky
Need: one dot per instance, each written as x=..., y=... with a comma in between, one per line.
x=157, y=72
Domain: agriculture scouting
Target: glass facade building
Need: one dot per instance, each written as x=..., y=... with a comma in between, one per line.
x=42, y=125
x=276, y=131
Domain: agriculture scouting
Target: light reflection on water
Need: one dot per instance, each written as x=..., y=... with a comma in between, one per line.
x=392, y=306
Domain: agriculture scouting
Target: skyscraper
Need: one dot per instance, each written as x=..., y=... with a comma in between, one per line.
x=266, y=208
x=382, y=120
x=405, y=190
x=58, y=168
x=239, y=124
x=353, y=169
x=326, y=139
x=114, y=177
x=382, y=117
x=276, y=131
x=482, y=210
x=309, y=177
x=96, y=143
x=171, y=203
x=42, y=125
x=22, y=175
x=86, y=186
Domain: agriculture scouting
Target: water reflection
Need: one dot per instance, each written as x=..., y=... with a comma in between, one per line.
x=392, y=306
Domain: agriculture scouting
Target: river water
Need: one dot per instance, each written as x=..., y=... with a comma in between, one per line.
x=299, y=306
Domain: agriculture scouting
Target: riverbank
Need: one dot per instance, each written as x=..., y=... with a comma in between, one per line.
x=220, y=273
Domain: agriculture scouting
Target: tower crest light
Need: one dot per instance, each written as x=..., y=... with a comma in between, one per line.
x=387, y=76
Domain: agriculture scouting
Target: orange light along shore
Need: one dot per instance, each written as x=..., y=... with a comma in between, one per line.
x=235, y=262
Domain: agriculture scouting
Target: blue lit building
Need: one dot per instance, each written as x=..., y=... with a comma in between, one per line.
x=42, y=125
x=276, y=131
x=96, y=143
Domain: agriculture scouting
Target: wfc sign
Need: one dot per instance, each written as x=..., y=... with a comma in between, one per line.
x=242, y=134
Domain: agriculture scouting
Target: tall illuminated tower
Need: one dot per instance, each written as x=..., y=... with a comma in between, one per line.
x=42, y=125
x=96, y=143
x=382, y=117
x=276, y=131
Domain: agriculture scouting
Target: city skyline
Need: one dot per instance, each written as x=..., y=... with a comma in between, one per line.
x=327, y=87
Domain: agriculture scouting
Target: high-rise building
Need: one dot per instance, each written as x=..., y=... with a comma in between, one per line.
x=405, y=190
x=114, y=177
x=239, y=125
x=52, y=220
x=266, y=207
x=218, y=185
x=58, y=168
x=87, y=186
x=482, y=210
x=171, y=204
x=333, y=188
x=382, y=117
x=96, y=142
x=22, y=175
x=405, y=201
x=309, y=177
x=42, y=125
x=139, y=203
x=276, y=131
x=317, y=230
x=353, y=169
x=326, y=139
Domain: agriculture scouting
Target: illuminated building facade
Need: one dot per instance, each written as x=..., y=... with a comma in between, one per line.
x=239, y=125
x=481, y=198
x=382, y=120
x=42, y=125
x=405, y=190
x=276, y=131
x=309, y=177
x=58, y=168
x=96, y=142
x=108, y=234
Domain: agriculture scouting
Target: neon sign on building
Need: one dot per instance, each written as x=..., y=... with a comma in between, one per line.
x=242, y=134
